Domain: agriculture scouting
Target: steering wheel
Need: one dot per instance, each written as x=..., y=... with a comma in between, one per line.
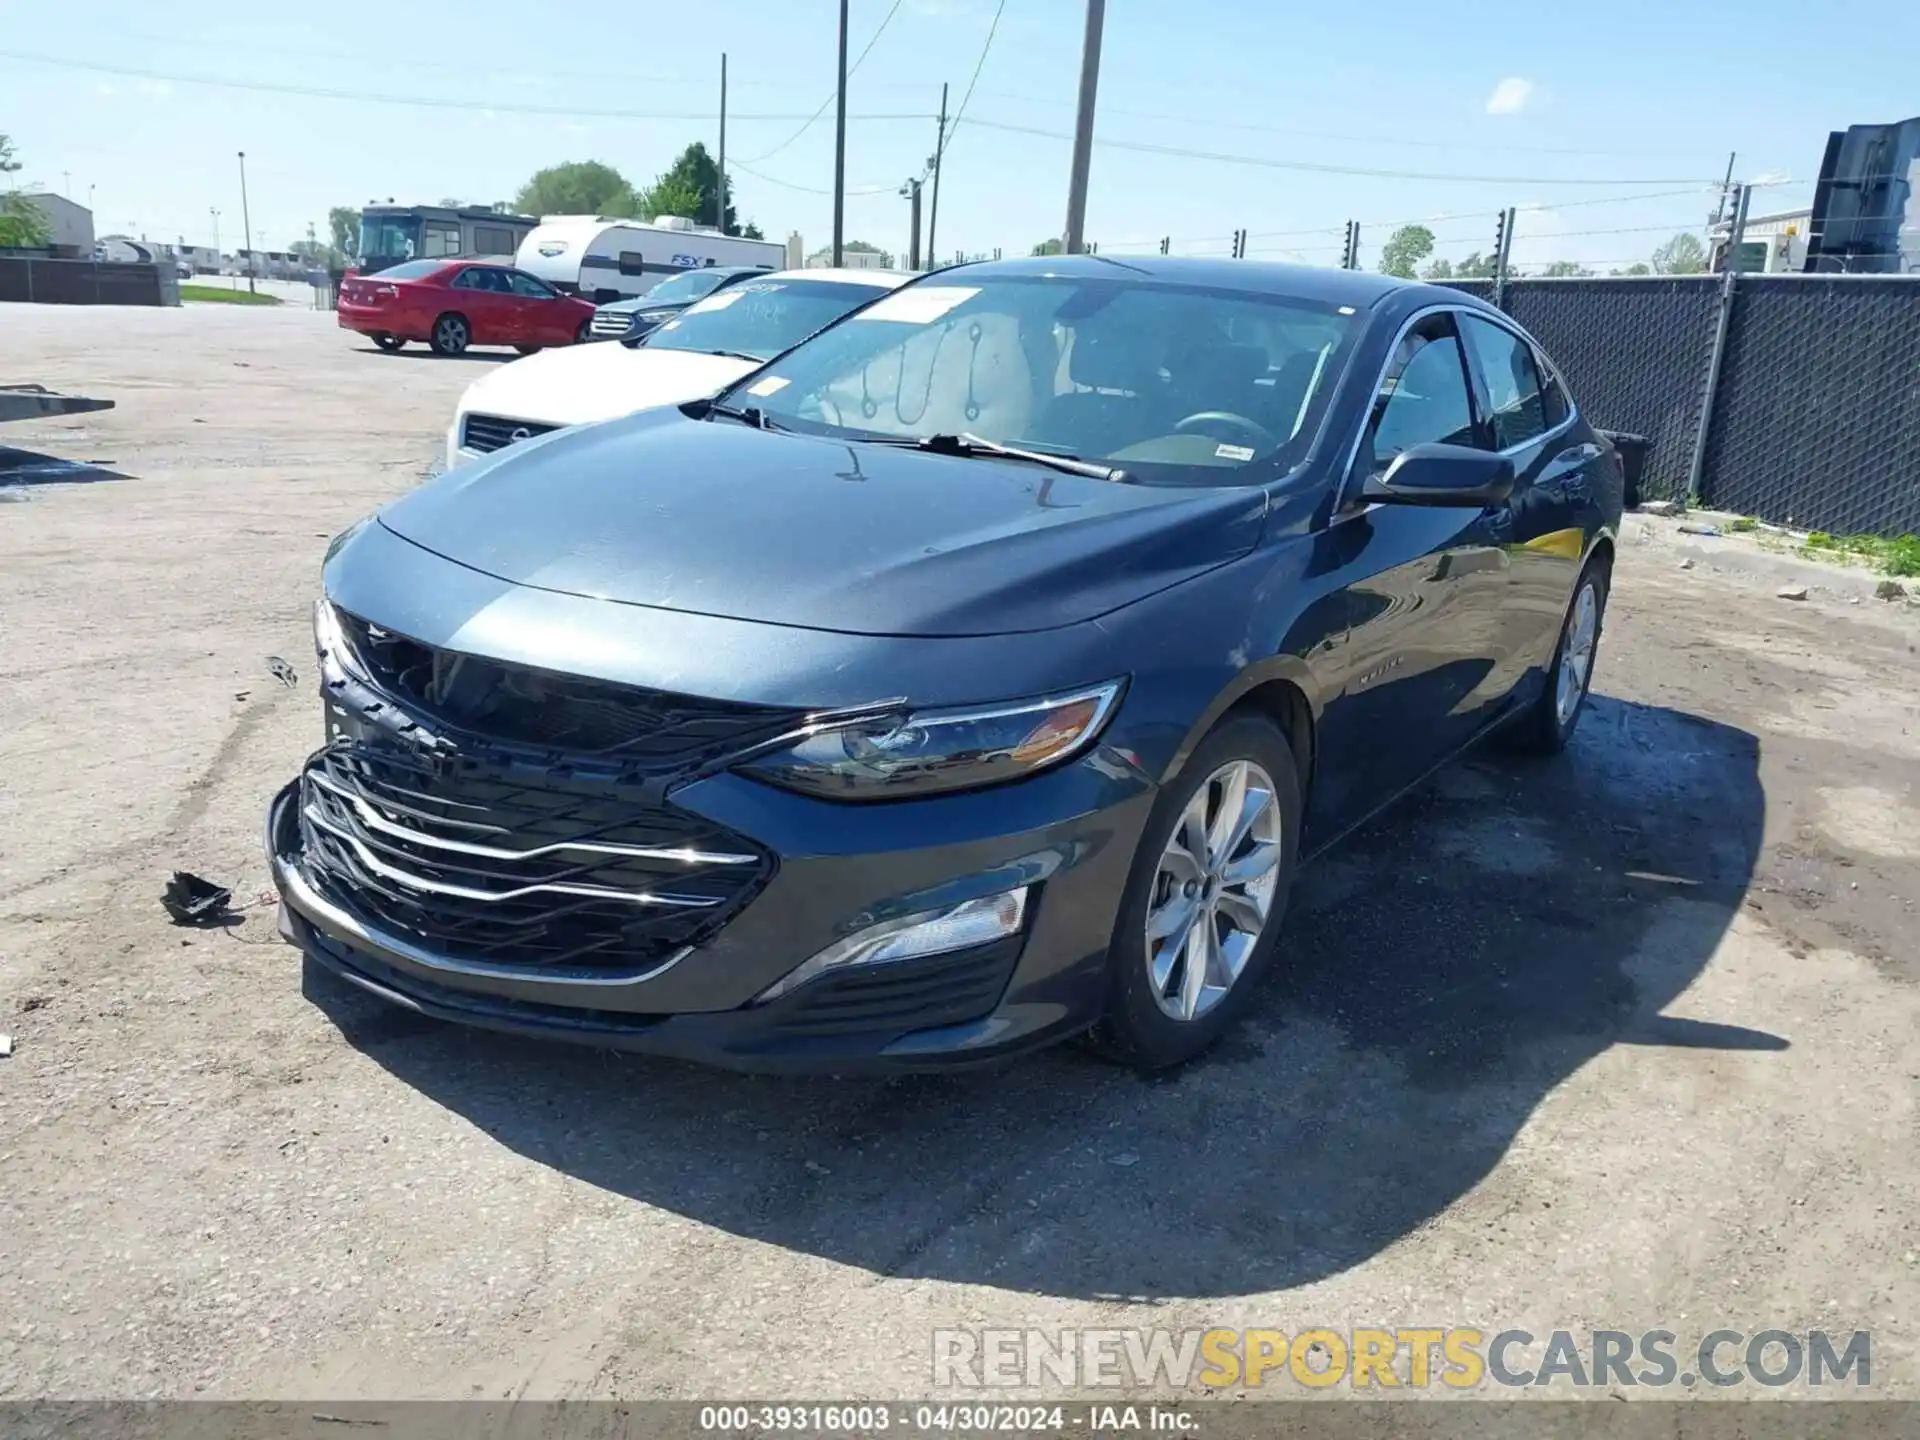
x=1263, y=438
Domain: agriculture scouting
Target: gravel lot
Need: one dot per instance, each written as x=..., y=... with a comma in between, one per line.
x=1624, y=1040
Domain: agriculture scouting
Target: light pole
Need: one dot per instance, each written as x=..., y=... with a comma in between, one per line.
x=1083, y=129
x=246, y=220
x=216, y=239
x=939, y=151
x=722, y=165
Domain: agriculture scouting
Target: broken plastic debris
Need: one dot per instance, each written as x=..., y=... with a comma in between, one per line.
x=191, y=900
x=282, y=671
x=6, y=1046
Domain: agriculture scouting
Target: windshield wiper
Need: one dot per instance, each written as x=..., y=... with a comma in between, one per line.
x=747, y=414
x=964, y=445
x=740, y=355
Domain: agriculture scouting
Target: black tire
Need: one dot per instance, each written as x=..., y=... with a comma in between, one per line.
x=387, y=342
x=1135, y=1030
x=584, y=333
x=451, y=334
x=527, y=349
x=1541, y=729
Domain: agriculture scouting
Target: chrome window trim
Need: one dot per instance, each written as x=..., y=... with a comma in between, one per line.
x=1426, y=312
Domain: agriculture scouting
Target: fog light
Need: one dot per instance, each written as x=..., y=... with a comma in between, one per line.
x=929, y=932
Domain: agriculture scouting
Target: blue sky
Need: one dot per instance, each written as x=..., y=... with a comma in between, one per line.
x=1646, y=97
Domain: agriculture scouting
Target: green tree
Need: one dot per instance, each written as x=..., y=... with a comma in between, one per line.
x=1682, y=255
x=343, y=225
x=1052, y=245
x=1639, y=267
x=579, y=187
x=691, y=184
x=1405, y=249
x=667, y=196
x=1441, y=269
x=1565, y=270
x=21, y=221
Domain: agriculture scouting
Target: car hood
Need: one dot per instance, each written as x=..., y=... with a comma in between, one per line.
x=580, y=384
x=717, y=518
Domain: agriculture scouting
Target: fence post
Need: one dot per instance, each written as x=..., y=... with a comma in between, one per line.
x=1696, y=471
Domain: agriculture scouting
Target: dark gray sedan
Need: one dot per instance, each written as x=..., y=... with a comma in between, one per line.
x=971, y=676
x=630, y=319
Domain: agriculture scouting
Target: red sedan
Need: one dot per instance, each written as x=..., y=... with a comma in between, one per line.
x=452, y=304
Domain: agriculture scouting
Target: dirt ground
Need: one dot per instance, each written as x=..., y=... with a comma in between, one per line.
x=1629, y=1039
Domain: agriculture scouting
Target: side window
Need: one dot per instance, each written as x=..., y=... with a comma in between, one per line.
x=1424, y=398
x=464, y=280
x=1554, y=404
x=441, y=241
x=632, y=262
x=1515, y=410
x=492, y=240
x=529, y=287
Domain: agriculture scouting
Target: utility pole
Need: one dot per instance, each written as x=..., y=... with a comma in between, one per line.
x=1726, y=187
x=1736, y=233
x=939, y=153
x=723, y=142
x=1502, y=248
x=1166, y=243
x=840, y=147
x=911, y=191
x=1083, y=127
x=1350, y=248
x=246, y=219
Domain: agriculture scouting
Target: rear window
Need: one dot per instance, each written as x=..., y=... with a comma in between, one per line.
x=413, y=269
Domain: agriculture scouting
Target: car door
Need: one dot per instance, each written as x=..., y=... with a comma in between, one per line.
x=1423, y=596
x=487, y=301
x=1528, y=420
x=539, y=315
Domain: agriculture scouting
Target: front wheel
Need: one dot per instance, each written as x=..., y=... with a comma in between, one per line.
x=527, y=349
x=451, y=335
x=388, y=342
x=1200, y=919
x=1545, y=726
x=584, y=333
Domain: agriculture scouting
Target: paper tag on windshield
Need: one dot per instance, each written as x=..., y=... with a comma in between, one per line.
x=768, y=385
x=1233, y=452
x=716, y=302
x=918, y=304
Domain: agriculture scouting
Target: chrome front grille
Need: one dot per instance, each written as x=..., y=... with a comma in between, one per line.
x=487, y=433
x=610, y=324
x=506, y=862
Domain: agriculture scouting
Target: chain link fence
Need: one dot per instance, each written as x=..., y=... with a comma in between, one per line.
x=1816, y=413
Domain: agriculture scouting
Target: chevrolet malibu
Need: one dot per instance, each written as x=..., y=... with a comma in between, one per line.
x=973, y=676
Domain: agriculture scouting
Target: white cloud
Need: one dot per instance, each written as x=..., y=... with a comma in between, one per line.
x=1771, y=177
x=1510, y=96
x=155, y=89
x=102, y=87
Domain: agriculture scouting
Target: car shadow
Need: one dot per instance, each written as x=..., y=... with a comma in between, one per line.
x=30, y=467
x=1443, y=971
x=419, y=351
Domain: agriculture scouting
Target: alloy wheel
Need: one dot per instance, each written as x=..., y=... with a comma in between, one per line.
x=1213, y=891
x=452, y=333
x=1576, y=654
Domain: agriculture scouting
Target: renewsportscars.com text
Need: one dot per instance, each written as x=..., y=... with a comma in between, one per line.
x=1460, y=1358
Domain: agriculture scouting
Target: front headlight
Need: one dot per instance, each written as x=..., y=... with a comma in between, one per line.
x=929, y=752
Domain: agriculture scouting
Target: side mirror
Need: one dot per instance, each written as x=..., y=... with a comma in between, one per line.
x=1438, y=474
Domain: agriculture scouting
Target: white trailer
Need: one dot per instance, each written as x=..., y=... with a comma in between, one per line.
x=603, y=259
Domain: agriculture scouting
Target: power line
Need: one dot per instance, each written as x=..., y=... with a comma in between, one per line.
x=808, y=125
x=430, y=102
x=978, y=66
x=1184, y=153
x=809, y=189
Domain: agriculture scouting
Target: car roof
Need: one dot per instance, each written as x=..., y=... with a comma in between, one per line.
x=846, y=275
x=1360, y=288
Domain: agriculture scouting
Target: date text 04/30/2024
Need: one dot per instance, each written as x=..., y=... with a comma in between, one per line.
x=944, y=1419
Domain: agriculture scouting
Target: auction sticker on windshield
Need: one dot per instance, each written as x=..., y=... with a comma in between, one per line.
x=716, y=302
x=769, y=385
x=918, y=304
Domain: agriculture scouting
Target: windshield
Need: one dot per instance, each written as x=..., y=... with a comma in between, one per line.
x=1173, y=384
x=389, y=237
x=686, y=288
x=760, y=317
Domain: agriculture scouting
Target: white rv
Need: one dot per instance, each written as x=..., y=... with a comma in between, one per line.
x=604, y=259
